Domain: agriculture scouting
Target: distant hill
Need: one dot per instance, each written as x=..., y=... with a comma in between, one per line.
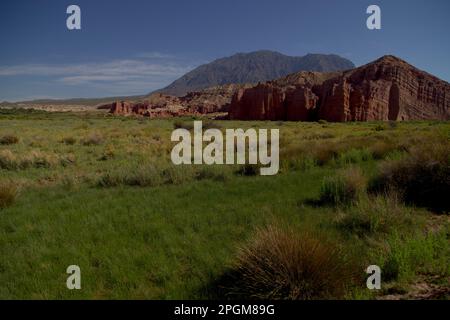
x=241, y=68
x=253, y=67
x=76, y=101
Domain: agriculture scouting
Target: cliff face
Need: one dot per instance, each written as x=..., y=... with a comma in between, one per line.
x=387, y=89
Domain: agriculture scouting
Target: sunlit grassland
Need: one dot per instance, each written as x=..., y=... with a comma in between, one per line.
x=86, y=197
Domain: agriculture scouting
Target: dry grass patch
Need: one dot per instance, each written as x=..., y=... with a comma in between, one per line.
x=284, y=264
x=9, y=139
x=8, y=194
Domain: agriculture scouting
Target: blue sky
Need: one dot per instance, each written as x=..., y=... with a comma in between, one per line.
x=136, y=46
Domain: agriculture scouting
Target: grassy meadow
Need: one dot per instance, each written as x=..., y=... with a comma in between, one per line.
x=100, y=192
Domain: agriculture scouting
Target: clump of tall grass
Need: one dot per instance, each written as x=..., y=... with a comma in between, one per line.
x=285, y=264
x=141, y=175
x=325, y=152
x=345, y=188
x=378, y=215
x=9, y=139
x=421, y=178
x=425, y=253
x=178, y=174
x=381, y=149
x=147, y=175
x=38, y=159
x=8, y=194
x=69, y=140
x=8, y=160
x=108, y=153
x=33, y=159
x=93, y=139
x=354, y=156
x=215, y=173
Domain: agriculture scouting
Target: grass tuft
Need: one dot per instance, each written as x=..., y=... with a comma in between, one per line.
x=9, y=139
x=284, y=264
x=343, y=189
x=8, y=194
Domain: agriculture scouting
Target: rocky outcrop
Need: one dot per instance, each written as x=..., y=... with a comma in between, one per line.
x=211, y=100
x=387, y=89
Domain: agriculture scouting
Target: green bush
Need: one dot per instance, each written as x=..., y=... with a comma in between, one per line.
x=421, y=178
x=411, y=255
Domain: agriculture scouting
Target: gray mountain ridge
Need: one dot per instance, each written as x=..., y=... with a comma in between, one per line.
x=253, y=67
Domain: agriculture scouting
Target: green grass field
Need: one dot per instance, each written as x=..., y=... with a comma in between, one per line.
x=100, y=192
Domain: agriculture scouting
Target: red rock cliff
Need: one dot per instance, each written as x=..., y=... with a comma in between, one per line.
x=387, y=89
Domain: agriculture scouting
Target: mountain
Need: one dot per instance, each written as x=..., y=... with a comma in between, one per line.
x=386, y=89
x=253, y=67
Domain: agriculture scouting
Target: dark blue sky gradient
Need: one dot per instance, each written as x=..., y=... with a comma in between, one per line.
x=136, y=46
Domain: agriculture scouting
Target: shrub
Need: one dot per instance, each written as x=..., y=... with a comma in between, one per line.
x=284, y=264
x=422, y=178
x=344, y=188
x=8, y=194
x=9, y=139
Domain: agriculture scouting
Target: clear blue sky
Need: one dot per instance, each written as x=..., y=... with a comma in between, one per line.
x=136, y=46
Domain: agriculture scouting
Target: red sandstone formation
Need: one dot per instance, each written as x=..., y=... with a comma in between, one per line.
x=211, y=100
x=387, y=89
